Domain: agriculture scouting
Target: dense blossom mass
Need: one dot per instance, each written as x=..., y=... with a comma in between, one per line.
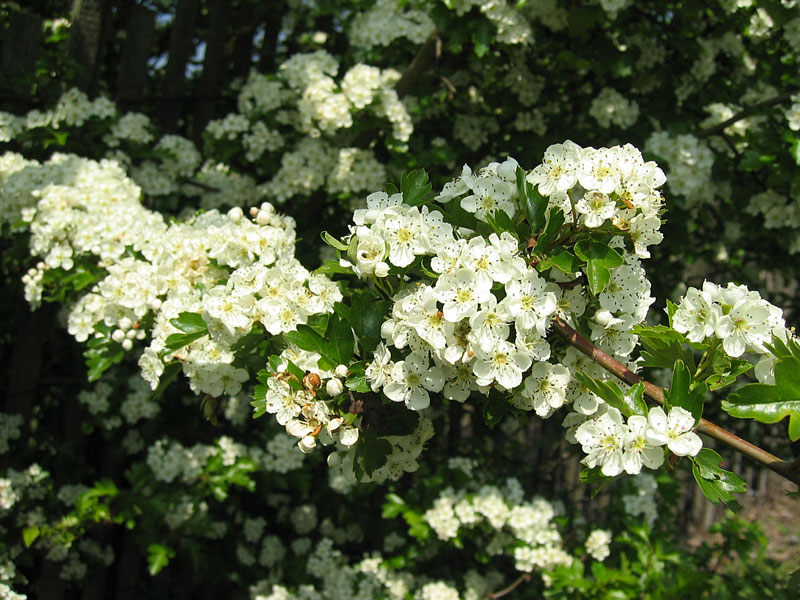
x=382, y=416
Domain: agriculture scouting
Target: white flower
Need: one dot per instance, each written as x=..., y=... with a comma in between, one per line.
x=747, y=324
x=461, y=292
x=603, y=440
x=547, y=386
x=529, y=302
x=638, y=450
x=370, y=252
x=411, y=381
x=503, y=363
x=559, y=169
x=673, y=430
x=595, y=207
x=697, y=315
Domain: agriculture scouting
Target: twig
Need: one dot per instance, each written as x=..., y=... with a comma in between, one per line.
x=524, y=578
x=430, y=49
x=656, y=393
x=748, y=110
x=200, y=184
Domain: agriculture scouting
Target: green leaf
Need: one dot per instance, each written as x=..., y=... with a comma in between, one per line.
x=495, y=408
x=29, y=535
x=565, y=261
x=158, y=557
x=457, y=216
x=102, y=352
x=770, y=403
x=662, y=346
x=754, y=159
x=416, y=188
x=500, y=222
x=332, y=267
x=599, y=259
x=482, y=36
x=189, y=322
x=597, y=276
x=169, y=375
x=335, y=348
x=176, y=341
x=630, y=403
x=552, y=228
x=373, y=452
x=680, y=392
x=532, y=203
x=598, y=253
x=332, y=241
x=715, y=482
x=366, y=314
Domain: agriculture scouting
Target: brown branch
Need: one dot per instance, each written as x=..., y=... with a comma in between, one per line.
x=747, y=111
x=199, y=184
x=759, y=455
x=524, y=578
x=428, y=51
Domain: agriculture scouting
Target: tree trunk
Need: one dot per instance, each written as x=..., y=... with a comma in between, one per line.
x=19, y=53
x=132, y=82
x=181, y=45
x=214, y=63
x=272, y=27
x=85, y=42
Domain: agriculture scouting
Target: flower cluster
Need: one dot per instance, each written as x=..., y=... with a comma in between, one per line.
x=734, y=315
x=525, y=529
x=610, y=107
x=617, y=446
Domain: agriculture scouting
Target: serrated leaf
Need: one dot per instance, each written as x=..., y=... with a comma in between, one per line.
x=552, y=228
x=770, y=403
x=680, y=392
x=29, y=535
x=169, y=375
x=189, y=322
x=335, y=347
x=158, y=557
x=416, y=188
x=500, y=222
x=332, y=267
x=532, y=203
x=374, y=452
x=176, y=341
x=565, y=261
x=628, y=404
x=365, y=315
x=715, y=482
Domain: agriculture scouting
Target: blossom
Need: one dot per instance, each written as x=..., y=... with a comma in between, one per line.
x=411, y=380
x=673, y=430
x=603, y=440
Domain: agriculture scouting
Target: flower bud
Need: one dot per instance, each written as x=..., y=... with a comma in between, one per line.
x=340, y=371
x=307, y=444
x=127, y=344
x=349, y=436
x=334, y=459
x=381, y=269
x=235, y=214
x=334, y=387
x=118, y=336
